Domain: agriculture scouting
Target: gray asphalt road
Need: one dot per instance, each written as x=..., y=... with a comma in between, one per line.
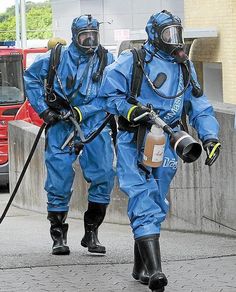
x=192, y=262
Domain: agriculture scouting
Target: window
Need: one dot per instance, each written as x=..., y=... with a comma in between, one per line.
x=212, y=80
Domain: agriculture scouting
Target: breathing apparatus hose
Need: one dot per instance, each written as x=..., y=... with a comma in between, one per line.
x=196, y=90
x=23, y=171
x=188, y=69
x=95, y=133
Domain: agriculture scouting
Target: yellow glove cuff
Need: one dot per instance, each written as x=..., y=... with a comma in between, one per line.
x=130, y=112
x=214, y=149
x=79, y=113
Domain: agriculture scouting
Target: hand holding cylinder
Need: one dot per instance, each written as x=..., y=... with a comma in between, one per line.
x=186, y=147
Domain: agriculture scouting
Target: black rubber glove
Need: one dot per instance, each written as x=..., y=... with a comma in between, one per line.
x=77, y=114
x=212, y=148
x=50, y=117
x=137, y=111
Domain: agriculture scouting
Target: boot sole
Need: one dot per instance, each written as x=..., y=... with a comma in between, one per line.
x=96, y=251
x=61, y=251
x=93, y=250
x=159, y=290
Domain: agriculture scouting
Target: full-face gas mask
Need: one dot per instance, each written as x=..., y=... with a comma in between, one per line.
x=85, y=33
x=88, y=39
x=165, y=33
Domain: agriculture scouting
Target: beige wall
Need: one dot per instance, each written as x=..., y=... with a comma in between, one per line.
x=219, y=14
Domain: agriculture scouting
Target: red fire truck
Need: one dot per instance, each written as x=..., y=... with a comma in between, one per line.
x=13, y=61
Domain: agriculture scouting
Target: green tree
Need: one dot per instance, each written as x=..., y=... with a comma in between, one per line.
x=38, y=22
x=8, y=29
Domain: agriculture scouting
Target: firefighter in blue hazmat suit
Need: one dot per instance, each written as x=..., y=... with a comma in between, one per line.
x=163, y=90
x=77, y=80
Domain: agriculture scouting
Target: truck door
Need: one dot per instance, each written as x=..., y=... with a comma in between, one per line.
x=11, y=98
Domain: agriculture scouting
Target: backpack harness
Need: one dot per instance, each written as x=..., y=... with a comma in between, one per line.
x=55, y=101
x=58, y=103
x=136, y=82
x=139, y=130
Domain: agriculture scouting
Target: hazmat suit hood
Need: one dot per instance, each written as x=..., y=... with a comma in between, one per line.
x=164, y=32
x=85, y=33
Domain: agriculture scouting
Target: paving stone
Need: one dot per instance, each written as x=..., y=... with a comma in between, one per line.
x=192, y=262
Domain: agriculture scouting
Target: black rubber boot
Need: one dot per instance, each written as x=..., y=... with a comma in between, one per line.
x=139, y=269
x=58, y=232
x=93, y=218
x=149, y=249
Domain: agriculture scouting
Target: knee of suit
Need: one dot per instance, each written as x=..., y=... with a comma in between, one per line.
x=100, y=196
x=58, y=202
x=147, y=207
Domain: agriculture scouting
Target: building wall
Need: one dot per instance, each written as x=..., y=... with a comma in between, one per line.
x=130, y=16
x=201, y=199
x=221, y=15
x=63, y=13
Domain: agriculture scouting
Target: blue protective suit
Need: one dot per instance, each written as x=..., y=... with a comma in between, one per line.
x=148, y=206
x=97, y=157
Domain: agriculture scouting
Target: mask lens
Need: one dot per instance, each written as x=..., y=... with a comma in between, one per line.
x=172, y=35
x=88, y=39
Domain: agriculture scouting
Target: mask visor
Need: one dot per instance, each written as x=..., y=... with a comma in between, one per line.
x=88, y=39
x=172, y=35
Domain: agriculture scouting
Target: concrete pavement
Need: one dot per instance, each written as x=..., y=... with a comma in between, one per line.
x=191, y=261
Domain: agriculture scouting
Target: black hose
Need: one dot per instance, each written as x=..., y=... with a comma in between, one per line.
x=23, y=171
x=95, y=133
x=98, y=131
x=89, y=139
